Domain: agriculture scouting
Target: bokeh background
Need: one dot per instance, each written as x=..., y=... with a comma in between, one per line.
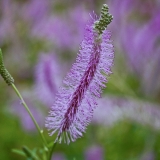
x=40, y=40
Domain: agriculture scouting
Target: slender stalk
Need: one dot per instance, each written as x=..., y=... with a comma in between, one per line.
x=29, y=112
x=51, y=151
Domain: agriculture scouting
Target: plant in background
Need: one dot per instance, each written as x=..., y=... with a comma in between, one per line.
x=137, y=39
x=76, y=100
x=47, y=78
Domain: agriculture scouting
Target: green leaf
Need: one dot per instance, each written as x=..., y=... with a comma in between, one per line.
x=30, y=154
x=17, y=151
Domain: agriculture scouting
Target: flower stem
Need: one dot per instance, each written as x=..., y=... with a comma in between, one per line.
x=29, y=112
x=51, y=151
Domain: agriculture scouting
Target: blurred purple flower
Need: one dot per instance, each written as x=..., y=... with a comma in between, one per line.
x=149, y=155
x=108, y=111
x=6, y=20
x=63, y=31
x=143, y=43
x=137, y=36
x=142, y=52
x=120, y=11
x=48, y=77
x=79, y=17
x=94, y=153
x=58, y=156
x=18, y=109
x=76, y=101
x=35, y=10
x=125, y=11
x=113, y=109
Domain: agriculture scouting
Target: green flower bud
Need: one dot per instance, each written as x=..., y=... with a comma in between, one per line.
x=105, y=19
x=3, y=71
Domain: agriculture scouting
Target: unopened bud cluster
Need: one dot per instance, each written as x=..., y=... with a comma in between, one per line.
x=105, y=19
x=4, y=73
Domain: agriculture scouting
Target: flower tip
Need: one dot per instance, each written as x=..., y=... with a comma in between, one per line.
x=3, y=71
x=105, y=19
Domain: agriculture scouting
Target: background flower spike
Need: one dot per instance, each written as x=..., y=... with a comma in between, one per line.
x=3, y=71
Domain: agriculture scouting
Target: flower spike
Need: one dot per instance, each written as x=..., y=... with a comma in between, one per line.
x=76, y=100
x=3, y=71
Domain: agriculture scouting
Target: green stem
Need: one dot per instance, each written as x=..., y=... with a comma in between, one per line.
x=26, y=107
x=51, y=151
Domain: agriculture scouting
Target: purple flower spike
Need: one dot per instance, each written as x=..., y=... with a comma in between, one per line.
x=75, y=102
x=48, y=78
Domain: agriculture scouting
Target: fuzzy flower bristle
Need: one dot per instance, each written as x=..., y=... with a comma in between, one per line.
x=76, y=100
